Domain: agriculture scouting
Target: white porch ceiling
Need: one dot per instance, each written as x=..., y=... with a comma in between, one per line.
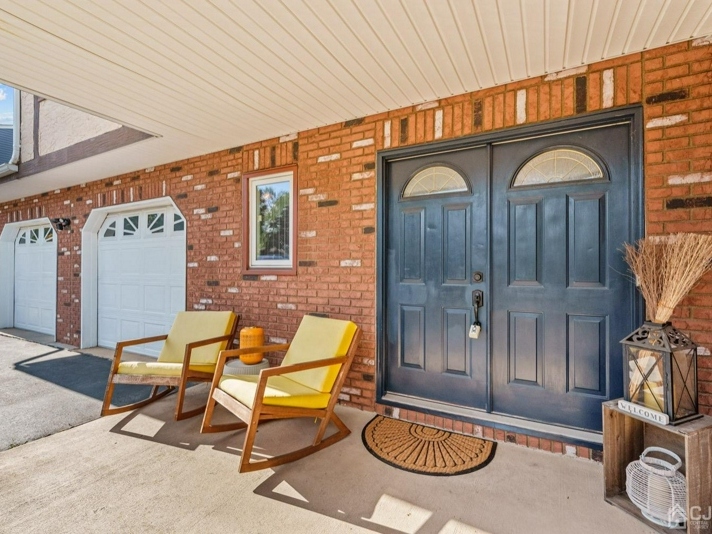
x=205, y=75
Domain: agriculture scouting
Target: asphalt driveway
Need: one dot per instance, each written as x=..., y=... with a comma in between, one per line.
x=44, y=390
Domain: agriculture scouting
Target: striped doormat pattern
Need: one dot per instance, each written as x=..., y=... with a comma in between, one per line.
x=426, y=450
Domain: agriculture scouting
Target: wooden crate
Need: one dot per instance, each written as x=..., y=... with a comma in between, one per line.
x=625, y=436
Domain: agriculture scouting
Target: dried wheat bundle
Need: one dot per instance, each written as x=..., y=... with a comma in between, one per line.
x=666, y=269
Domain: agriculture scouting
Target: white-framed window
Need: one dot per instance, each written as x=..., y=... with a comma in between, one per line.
x=271, y=220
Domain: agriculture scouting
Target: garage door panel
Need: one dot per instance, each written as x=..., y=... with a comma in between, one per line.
x=141, y=281
x=155, y=298
x=131, y=329
x=131, y=298
x=35, y=284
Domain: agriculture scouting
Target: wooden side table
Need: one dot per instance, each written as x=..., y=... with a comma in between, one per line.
x=625, y=436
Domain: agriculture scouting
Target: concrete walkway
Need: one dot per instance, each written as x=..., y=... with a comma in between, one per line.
x=143, y=472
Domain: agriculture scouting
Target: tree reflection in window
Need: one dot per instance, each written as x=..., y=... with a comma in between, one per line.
x=273, y=233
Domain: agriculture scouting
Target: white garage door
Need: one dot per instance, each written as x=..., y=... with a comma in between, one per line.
x=36, y=280
x=141, y=283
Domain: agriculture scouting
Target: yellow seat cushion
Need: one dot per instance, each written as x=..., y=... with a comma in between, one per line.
x=194, y=326
x=280, y=391
x=319, y=338
x=159, y=368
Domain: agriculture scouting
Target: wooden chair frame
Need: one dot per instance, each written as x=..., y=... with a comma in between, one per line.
x=251, y=418
x=170, y=382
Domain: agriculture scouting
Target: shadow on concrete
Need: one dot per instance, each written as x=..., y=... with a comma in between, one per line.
x=81, y=373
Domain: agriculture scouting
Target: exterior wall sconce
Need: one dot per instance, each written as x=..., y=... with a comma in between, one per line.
x=60, y=223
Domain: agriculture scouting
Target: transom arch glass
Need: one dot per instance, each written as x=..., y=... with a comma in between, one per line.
x=558, y=165
x=435, y=179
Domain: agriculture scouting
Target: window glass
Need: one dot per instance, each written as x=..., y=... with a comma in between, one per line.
x=110, y=230
x=48, y=235
x=435, y=180
x=557, y=166
x=131, y=225
x=178, y=223
x=23, y=238
x=271, y=221
x=34, y=235
x=156, y=223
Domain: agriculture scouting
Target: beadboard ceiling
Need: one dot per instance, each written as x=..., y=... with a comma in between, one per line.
x=204, y=75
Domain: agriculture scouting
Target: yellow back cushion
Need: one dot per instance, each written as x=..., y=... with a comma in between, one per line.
x=192, y=326
x=318, y=338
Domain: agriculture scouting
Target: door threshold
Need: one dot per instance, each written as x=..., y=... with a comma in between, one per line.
x=575, y=436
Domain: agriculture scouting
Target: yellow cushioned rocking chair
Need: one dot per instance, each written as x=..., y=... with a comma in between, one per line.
x=307, y=384
x=189, y=354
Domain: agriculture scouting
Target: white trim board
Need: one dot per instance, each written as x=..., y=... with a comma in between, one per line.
x=90, y=260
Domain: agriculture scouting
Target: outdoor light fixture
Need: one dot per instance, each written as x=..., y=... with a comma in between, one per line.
x=661, y=371
x=60, y=223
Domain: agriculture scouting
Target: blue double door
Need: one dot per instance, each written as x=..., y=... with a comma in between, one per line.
x=538, y=230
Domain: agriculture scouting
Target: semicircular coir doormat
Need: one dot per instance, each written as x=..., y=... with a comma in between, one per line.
x=421, y=449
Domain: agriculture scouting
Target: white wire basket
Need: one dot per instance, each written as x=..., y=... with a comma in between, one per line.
x=658, y=488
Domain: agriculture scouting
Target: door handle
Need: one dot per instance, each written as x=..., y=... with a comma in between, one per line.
x=478, y=298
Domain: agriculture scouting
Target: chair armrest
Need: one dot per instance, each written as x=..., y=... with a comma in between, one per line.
x=296, y=367
x=118, y=352
x=235, y=353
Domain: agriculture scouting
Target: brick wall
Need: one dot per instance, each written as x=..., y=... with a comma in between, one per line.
x=337, y=195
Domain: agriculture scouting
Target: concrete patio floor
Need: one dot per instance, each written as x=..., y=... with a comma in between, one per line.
x=143, y=472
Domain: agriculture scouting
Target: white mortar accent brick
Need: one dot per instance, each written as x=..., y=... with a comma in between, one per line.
x=570, y=450
x=225, y=232
x=308, y=191
x=351, y=391
x=350, y=263
x=212, y=258
x=187, y=178
x=315, y=198
x=90, y=201
x=238, y=244
x=344, y=397
x=36, y=200
x=521, y=106
x=193, y=264
x=387, y=134
x=286, y=306
x=235, y=174
x=233, y=289
x=565, y=73
x=438, y=124
x=198, y=211
x=702, y=351
x=57, y=191
x=363, y=207
x=277, y=340
x=362, y=142
x=396, y=413
x=206, y=301
x=269, y=277
x=256, y=159
x=290, y=137
x=309, y=233
x=702, y=41
x=116, y=182
x=207, y=216
x=666, y=121
x=362, y=175
x=694, y=178
x=608, y=88
x=198, y=306
x=149, y=169
x=199, y=187
x=329, y=157
x=66, y=202
x=427, y=105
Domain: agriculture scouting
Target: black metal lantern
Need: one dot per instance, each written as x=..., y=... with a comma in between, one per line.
x=661, y=371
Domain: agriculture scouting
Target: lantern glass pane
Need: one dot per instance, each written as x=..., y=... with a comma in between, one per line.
x=646, y=378
x=683, y=383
